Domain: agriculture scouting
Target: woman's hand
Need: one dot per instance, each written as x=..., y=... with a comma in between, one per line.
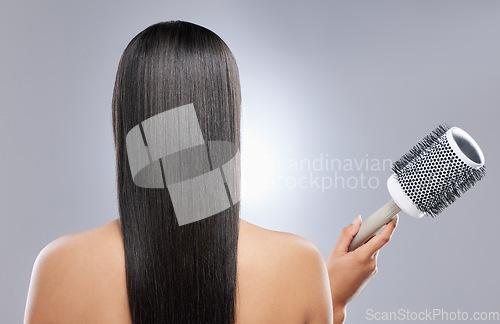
x=350, y=272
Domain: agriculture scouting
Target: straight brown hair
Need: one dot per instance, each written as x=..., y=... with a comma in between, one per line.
x=176, y=274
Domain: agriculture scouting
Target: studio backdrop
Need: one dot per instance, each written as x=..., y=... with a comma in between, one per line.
x=333, y=92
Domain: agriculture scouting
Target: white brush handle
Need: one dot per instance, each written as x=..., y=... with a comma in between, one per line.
x=372, y=224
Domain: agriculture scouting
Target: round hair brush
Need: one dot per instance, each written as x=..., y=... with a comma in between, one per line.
x=431, y=176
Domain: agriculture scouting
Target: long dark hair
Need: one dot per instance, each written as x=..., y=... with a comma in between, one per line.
x=176, y=274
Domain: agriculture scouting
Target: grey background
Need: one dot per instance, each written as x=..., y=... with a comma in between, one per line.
x=349, y=79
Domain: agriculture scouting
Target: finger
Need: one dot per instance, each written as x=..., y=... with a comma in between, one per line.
x=346, y=237
x=381, y=239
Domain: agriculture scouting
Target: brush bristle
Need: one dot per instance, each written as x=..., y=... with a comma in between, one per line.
x=432, y=175
x=424, y=145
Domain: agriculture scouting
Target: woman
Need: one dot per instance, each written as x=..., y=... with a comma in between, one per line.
x=146, y=268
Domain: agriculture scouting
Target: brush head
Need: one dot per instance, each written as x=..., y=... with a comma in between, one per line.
x=436, y=171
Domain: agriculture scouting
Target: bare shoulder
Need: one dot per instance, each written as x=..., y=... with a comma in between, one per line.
x=282, y=245
x=76, y=250
x=77, y=272
x=83, y=242
x=291, y=269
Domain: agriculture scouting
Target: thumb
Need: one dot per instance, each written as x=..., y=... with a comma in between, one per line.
x=345, y=238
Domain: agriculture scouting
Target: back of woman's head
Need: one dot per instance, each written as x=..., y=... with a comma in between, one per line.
x=176, y=274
